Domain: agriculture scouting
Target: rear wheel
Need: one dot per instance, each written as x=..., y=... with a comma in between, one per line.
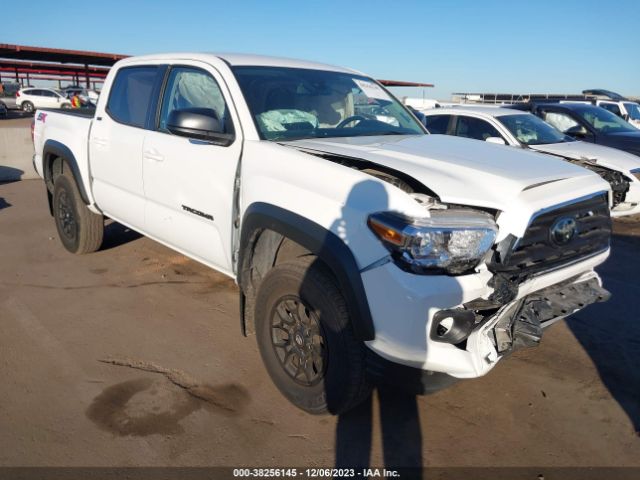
x=80, y=229
x=27, y=106
x=306, y=339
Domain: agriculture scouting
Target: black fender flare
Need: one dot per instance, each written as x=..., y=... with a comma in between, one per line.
x=326, y=245
x=53, y=148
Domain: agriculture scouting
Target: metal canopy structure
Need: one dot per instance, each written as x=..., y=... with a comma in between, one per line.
x=23, y=63
x=400, y=83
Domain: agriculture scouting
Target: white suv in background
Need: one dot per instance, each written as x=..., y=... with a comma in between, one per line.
x=629, y=111
x=29, y=99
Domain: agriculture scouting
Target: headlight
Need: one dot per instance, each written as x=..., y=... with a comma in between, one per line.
x=453, y=241
x=636, y=173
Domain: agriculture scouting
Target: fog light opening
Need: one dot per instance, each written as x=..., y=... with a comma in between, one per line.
x=452, y=326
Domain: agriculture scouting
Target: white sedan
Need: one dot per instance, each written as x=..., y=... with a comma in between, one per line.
x=521, y=129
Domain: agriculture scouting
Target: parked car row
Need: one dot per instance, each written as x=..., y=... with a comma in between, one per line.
x=31, y=98
x=522, y=129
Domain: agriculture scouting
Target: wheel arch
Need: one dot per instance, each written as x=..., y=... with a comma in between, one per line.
x=282, y=227
x=52, y=151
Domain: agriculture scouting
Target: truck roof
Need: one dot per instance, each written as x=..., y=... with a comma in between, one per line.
x=237, y=59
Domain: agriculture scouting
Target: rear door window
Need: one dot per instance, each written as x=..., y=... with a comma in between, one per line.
x=438, y=124
x=612, y=107
x=133, y=95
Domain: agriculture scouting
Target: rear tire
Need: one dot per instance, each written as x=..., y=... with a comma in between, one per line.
x=27, y=106
x=80, y=230
x=306, y=338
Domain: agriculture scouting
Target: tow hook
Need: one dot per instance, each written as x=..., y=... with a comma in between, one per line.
x=540, y=309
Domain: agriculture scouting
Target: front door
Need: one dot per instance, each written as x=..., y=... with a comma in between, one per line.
x=189, y=183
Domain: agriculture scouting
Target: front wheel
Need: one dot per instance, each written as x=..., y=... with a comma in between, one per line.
x=306, y=338
x=80, y=229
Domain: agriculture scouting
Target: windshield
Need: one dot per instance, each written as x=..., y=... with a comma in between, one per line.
x=293, y=103
x=603, y=121
x=531, y=130
x=633, y=109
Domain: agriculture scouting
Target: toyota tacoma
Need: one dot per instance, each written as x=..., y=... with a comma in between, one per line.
x=364, y=249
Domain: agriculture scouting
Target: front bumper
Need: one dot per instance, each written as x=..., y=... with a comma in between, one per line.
x=403, y=306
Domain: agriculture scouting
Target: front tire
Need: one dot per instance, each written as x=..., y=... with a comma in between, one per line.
x=27, y=107
x=80, y=230
x=306, y=338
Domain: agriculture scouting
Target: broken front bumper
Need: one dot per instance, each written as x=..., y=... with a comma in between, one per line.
x=522, y=323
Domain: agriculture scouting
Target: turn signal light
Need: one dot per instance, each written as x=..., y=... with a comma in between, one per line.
x=386, y=233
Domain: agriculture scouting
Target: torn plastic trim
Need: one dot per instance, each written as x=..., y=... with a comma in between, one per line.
x=522, y=325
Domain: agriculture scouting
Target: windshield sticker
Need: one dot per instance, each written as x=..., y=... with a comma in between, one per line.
x=371, y=90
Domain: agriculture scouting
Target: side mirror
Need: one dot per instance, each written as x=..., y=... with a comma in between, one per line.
x=496, y=140
x=625, y=117
x=577, y=131
x=200, y=124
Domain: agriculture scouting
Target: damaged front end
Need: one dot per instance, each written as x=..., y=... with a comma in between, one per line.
x=618, y=182
x=554, y=239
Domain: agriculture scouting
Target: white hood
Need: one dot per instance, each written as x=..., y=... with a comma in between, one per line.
x=458, y=170
x=605, y=156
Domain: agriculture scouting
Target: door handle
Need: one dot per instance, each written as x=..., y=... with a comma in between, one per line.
x=153, y=154
x=101, y=142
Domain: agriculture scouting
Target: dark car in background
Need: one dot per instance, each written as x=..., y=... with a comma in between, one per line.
x=588, y=123
x=8, y=95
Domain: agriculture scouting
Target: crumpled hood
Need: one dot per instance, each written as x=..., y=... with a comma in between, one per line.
x=458, y=170
x=605, y=156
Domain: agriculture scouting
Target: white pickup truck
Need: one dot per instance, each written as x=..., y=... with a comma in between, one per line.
x=362, y=246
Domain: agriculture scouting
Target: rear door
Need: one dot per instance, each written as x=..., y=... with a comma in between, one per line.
x=116, y=139
x=189, y=183
x=36, y=97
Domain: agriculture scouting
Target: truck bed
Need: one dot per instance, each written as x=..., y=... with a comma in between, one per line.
x=67, y=129
x=76, y=112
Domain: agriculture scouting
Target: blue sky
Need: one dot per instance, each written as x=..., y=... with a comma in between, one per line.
x=561, y=46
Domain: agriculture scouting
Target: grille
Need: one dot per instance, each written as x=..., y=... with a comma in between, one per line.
x=537, y=251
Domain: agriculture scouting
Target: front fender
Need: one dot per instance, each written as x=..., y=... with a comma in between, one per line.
x=321, y=242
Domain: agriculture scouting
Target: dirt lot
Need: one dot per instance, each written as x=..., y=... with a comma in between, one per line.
x=182, y=387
